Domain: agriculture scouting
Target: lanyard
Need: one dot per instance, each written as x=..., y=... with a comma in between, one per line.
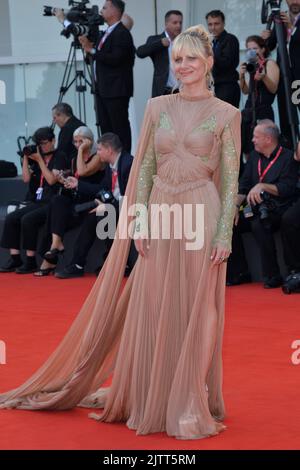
x=261, y=176
x=47, y=161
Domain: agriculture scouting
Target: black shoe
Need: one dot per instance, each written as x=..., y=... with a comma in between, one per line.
x=10, y=266
x=242, y=278
x=69, y=272
x=273, y=282
x=27, y=268
x=52, y=255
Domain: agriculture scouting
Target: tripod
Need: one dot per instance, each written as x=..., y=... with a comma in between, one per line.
x=81, y=80
x=285, y=68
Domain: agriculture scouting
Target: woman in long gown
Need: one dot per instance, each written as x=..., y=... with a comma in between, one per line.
x=162, y=336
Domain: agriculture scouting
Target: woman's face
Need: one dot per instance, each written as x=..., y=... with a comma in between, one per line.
x=190, y=69
x=259, y=50
x=78, y=140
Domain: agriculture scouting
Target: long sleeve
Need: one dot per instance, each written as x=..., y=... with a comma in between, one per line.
x=230, y=157
x=144, y=186
x=152, y=46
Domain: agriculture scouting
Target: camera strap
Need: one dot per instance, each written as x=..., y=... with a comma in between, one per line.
x=262, y=175
x=47, y=161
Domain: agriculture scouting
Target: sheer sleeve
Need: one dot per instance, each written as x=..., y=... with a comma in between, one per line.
x=144, y=186
x=230, y=158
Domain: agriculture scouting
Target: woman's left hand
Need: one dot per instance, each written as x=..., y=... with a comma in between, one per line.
x=219, y=254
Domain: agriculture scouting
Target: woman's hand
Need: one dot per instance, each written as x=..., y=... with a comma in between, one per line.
x=71, y=182
x=86, y=144
x=243, y=70
x=219, y=254
x=142, y=246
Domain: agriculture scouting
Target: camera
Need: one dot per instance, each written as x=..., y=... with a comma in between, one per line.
x=29, y=150
x=252, y=61
x=291, y=284
x=103, y=195
x=84, y=21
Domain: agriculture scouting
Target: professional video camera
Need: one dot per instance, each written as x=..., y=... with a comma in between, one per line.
x=103, y=195
x=83, y=21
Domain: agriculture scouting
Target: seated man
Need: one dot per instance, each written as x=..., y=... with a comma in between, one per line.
x=22, y=226
x=115, y=181
x=63, y=117
x=269, y=185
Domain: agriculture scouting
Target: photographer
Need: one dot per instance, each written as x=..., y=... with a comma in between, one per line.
x=115, y=182
x=88, y=167
x=260, y=86
x=291, y=22
x=114, y=55
x=268, y=184
x=22, y=226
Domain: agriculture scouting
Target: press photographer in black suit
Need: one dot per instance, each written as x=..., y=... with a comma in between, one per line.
x=268, y=184
x=114, y=55
x=159, y=49
x=226, y=59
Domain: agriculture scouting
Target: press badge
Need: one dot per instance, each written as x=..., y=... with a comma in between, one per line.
x=39, y=193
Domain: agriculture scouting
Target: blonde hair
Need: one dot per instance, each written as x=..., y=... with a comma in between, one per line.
x=195, y=41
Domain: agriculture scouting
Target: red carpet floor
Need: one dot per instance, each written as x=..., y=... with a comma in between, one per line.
x=261, y=384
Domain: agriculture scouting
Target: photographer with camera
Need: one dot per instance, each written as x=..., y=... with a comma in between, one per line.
x=22, y=226
x=114, y=55
x=88, y=167
x=260, y=86
x=268, y=184
x=291, y=23
x=110, y=191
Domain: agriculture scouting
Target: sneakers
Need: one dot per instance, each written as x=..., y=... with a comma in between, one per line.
x=11, y=266
x=70, y=272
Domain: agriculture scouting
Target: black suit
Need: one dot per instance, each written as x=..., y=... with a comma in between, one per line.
x=87, y=233
x=114, y=74
x=294, y=55
x=160, y=57
x=65, y=139
x=226, y=59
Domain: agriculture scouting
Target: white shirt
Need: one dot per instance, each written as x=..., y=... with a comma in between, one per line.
x=172, y=82
x=114, y=167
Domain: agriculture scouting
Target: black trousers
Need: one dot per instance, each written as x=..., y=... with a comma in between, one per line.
x=60, y=219
x=237, y=262
x=229, y=92
x=113, y=117
x=86, y=238
x=21, y=227
x=283, y=116
x=290, y=233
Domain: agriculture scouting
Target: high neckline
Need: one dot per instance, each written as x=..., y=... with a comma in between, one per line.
x=205, y=95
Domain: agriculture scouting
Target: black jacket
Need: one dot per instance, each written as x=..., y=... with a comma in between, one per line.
x=294, y=49
x=114, y=64
x=124, y=167
x=65, y=139
x=226, y=59
x=160, y=57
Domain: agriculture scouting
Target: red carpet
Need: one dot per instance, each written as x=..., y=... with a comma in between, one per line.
x=261, y=384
